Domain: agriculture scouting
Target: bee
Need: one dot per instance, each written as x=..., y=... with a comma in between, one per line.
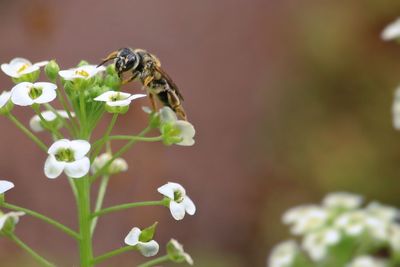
x=146, y=67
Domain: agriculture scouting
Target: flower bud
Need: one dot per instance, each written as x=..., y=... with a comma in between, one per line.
x=177, y=254
x=51, y=70
x=117, y=166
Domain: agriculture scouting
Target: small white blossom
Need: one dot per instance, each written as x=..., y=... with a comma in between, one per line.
x=68, y=156
x=283, y=254
x=394, y=237
x=342, y=200
x=26, y=93
x=4, y=98
x=392, y=31
x=117, y=166
x=383, y=212
x=185, y=129
x=179, y=203
x=317, y=243
x=396, y=109
x=147, y=249
x=176, y=252
x=118, y=99
x=367, y=261
x=305, y=218
x=83, y=72
x=13, y=215
x=21, y=66
x=5, y=186
x=36, y=123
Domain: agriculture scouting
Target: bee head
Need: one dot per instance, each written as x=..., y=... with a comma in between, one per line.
x=126, y=60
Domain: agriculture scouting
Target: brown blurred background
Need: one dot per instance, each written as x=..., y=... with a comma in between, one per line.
x=290, y=99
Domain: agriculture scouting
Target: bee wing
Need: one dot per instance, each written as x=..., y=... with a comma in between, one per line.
x=170, y=81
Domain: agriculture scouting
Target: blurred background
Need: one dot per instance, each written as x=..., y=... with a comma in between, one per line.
x=290, y=99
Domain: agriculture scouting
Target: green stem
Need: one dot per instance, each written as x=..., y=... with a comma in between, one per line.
x=105, y=137
x=82, y=111
x=99, y=201
x=155, y=261
x=71, y=118
x=46, y=123
x=27, y=132
x=63, y=120
x=85, y=243
x=30, y=251
x=113, y=253
x=136, y=138
x=119, y=153
x=128, y=206
x=46, y=219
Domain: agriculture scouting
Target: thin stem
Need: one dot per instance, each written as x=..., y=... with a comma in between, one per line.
x=116, y=155
x=30, y=251
x=46, y=219
x=46, y=123
x=128, y=206
x=155, y=261
x=64, y=121
x=65, y=106
x=99, y=201
x=27, y=132
x=82, y=111
x=136, y=138
x=105, y=137
x=113, y=253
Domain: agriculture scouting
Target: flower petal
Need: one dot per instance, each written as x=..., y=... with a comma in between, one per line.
x=47, y=96
x=106, y=96
x=20, y=94
x=169, y=188
x=187, y=132
x=5, y=186
x=41, y=63
x=7, y=69
x=77, y=169
x=132, y=239
x=167, y=115
x=59, y=144
x=189, y=205
x=4, y=97
x=177, y=210
x=53, y=168
x=148, y=249
x=28, y=70
x=67, y=74
x=119, y=103
x=80, y=148
x=136, y=96
x=20, y=60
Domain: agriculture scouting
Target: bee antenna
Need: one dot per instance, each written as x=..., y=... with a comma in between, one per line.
x=111, y=56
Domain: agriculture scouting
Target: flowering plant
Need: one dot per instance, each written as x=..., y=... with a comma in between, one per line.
x=86, y=93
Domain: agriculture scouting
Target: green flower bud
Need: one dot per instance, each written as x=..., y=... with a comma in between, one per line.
x=147, y=234
x=51, y=70
x=82, y=63
x=177, y=254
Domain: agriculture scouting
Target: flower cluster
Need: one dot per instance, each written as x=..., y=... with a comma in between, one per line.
x=337, y=228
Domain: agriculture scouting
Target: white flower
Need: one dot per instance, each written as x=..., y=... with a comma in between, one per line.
x=68, y=156
x=383, y=212
x=117, y=99
x=21, y=66
x=83, y=72
x=392, y=31
x=4, y=98
x=342, y=200
x=367, y=261
x=176, y=253
x=317, y=243
x=179, y=203
x=305, y=218
x=36, y=123
x=117, y=166
x=26, y=94
x=185, y=129
x=394, y=237
x=283, y=254
x=396, y=109
x=5, y=186
x=147, y=249
x=13, y=215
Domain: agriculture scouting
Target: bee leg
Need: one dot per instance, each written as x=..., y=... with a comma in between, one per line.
x=175, y=103
x=153, y=102
x=129, y=79
x=148, y=80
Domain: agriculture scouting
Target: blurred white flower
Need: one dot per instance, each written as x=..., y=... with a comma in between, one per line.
x=147, y=249
x=184, y=129
x=367, y=261
x=394, y=237
x=392, y=31
x=36, y=123
x=13, y=215
x=117, y=99
x=117, y=166
x=68, y=156
x=396, y=109
x=179, y=203
x=317, y=243
x=26, y=93
x=176, y=253
x=342, y=200
x=4, y=98
x=83, y=72
x=383, y=212
x=21, y=66
x=305, y=218
x=283, y=254
x=5, y=186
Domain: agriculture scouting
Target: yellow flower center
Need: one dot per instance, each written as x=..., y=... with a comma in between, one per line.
x=82, y=73
x=22, y=68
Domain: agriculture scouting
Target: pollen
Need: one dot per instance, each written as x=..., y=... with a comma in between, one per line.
x=22, y=68
x=82, y=73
